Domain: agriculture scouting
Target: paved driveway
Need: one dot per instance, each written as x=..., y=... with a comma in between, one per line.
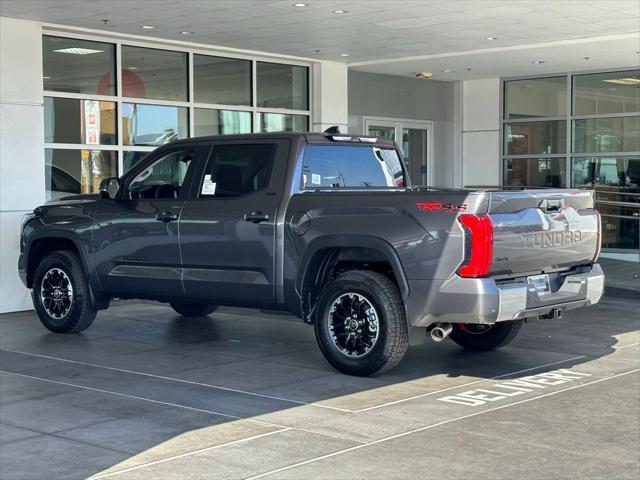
x=145, y=393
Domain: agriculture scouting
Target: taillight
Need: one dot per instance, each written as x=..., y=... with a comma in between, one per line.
x=599, y=246
x=478, y=258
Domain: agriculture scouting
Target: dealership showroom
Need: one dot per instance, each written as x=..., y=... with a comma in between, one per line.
x=514, y=99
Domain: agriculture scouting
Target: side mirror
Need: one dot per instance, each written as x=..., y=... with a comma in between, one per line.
x=109, y=188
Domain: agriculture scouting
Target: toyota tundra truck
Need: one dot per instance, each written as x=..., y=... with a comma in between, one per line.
x=323, y=225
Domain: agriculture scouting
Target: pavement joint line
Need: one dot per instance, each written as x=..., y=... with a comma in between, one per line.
x=435, y=392
x=428, y=427
x=186, y=454
x=179, y=380
x=135, y=397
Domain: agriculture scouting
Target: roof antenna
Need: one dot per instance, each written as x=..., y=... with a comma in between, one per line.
x=332, y=130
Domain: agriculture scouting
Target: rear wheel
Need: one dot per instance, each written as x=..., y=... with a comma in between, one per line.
x=360, y=323
x=193, y=310
x=485, y=337
x=61, y=293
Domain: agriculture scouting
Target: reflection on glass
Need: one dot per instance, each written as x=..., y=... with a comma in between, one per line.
x=382, y=132
x=282, y=86
x=535, y=97
x=153, y=124
x=152, y=73
x=78, y=66
x=535, y=172
x=611, y=92
x=131, y=158
x=69, y=172
x=535, y=137
x=221, y=80
x=617, y=134
x=220, y=122
x=68, y=120
x=619, y=172
x=283, y=122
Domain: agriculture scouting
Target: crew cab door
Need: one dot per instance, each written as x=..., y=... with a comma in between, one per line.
x=228, y=228
x=136, y=235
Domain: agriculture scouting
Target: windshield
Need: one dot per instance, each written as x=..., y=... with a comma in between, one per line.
x=339, y=166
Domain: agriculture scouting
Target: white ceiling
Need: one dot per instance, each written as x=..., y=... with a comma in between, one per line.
x=407, y=35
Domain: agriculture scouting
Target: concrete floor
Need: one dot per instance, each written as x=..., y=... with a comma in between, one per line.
x=145, y=393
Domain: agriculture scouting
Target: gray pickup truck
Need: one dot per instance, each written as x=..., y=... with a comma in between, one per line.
x=325, y=226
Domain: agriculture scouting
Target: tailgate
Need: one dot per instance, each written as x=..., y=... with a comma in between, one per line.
x=542, y=231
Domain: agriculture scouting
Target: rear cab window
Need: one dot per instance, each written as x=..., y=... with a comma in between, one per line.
x=351, y=166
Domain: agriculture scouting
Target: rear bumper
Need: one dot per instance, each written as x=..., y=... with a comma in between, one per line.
x=481, y=300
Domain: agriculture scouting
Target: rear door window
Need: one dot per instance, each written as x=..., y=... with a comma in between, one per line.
x=235, y=170
x=344, y=166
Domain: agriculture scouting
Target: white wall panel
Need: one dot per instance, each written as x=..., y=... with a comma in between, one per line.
x=481, y=104
x=480, y=151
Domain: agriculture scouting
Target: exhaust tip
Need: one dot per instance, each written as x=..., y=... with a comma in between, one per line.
x=441, y=331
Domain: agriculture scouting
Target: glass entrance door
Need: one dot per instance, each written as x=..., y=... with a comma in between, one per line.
x=413, y=139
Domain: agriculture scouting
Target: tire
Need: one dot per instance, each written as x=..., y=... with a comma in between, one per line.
x=369, y=289
x=193, y=310
x=485, y=337
x=69, y=309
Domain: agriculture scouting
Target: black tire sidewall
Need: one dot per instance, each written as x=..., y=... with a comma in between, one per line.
x=376, y=359
x=498, y=335
x=70, y=265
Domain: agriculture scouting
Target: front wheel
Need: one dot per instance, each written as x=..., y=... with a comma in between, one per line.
x=193, y=310
x=360, y=323
x=485, y=337
x=61, y=293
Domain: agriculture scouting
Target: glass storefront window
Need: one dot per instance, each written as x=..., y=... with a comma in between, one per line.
x=68, y=120
x=535, y=97
x=283, y=122
x=612, y=134
x=220, y=122
x=78, y=66
x=282, y=86
x=69, y=172
x=614, y=173
x=131, y=158
x=529, y=138
x=535, y=172
x=153, y=124
x=218, y=80
x=611, y=92
x=153, y=73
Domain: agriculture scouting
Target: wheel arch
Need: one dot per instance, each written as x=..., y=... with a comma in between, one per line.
x=323, y=254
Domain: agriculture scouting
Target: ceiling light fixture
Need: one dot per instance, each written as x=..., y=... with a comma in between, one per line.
x=424, y=75
x=491, y=38
x=186, y=33
x=132, y=68
x=78, y=51
x=300, y=5
x=340, y=11
x=624, y=81
x=538, y=62
x=345, y=54
x=447, y=70
x=148, y=27
x=46, y=78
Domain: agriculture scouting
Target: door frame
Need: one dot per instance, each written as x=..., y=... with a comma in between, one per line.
x=398, y=124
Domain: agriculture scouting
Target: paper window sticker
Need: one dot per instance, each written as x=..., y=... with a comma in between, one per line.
x=208, y=188
x=316, y=179
x=207, y=178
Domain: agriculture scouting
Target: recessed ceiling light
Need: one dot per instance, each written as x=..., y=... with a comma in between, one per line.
x=300, y=5
x=447, y=70
x=491, y=38
x=78, y=51
x=340, y=11
x=46, y=78
x=537, y=62
x=345, y=54
x=624, y=81
x=186, y=33
x=132, y=68
x=148, y=27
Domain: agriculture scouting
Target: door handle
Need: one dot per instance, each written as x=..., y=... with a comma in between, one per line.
x=167, y=216
x=257, y=217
